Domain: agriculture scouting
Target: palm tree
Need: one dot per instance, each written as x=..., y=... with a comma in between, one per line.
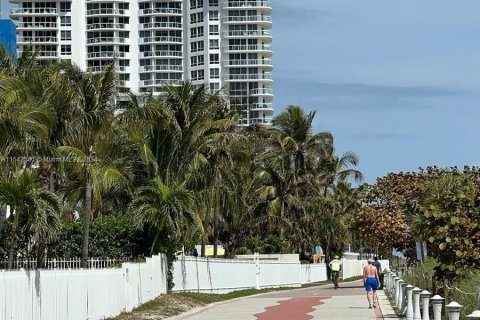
x=26, y=118
x=33, y=209
x=89, y=132
x=163, y=205
x=336, y=169
x=295, y=130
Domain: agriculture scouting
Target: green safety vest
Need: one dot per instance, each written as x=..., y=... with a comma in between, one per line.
x=335, y=264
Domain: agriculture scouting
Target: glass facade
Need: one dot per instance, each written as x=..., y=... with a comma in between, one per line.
x=7, y=36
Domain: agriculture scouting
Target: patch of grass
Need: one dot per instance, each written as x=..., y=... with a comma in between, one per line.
x=352, y=279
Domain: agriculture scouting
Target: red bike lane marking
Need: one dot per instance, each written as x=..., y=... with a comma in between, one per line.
x=292, y=309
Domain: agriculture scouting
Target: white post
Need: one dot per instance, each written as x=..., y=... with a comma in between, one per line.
x=403, y=296
x=453, y=309
x=398, y=288
x=437, y=307
x=408, y=289
x=416, y=304
x=425, y=295
x=393, y=284
x=474, y=315
x=257, y=270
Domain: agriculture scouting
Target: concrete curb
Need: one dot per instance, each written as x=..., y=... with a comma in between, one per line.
x=385, y=306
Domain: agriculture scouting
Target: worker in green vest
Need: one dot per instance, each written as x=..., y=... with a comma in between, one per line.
x=335, y=266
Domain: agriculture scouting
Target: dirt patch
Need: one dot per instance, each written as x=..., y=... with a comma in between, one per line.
x=161, y=308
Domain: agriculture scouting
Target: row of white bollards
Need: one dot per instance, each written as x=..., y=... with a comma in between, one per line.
x=413, y=302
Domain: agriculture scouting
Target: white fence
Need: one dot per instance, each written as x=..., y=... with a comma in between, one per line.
x=313, y=273
x=354, y=268
x=62, y=263
x=80, y=294
x=221, y=275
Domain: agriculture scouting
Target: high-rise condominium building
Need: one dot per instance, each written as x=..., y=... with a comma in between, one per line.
x=224, y=44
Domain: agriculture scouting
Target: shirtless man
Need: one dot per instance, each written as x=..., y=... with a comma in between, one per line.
x=371, y=281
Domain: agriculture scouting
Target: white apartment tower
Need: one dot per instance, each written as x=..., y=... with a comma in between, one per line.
x=224, y=44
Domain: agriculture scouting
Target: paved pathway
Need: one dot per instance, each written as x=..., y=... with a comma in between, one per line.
x=348, y=302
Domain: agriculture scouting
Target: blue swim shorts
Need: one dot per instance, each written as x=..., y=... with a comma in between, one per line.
x=371, y=284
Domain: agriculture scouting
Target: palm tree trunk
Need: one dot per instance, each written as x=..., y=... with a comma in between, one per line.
x=11, y=250
x=155, y=239
x=86, y=223
x=41, y=254
x=202, y=250
x=215, y=234
x=3, y=218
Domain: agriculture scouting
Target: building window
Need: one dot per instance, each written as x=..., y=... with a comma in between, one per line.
x=214, y=58
x=65, y=6
x=214, y=73
x=213, y=3
x=214, y=87
x=213, y=15
x=214, y=44
x=65, y=21
x=66, y=35
x=195, y=4
x=66, y=49
x=196, y=32
x=213, y=30
x=197, y=75
x=196, y=46
x=196, y=17
x=197, y=61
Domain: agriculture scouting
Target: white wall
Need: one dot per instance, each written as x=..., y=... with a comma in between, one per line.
x=354, y=268
x=80, y=294
x=221, y=275
x=313, y=273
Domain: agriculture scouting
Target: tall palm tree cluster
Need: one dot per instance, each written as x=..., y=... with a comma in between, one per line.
x=71, y=143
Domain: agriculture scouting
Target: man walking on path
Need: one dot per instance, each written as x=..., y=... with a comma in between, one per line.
x=335, y=266
x=371, y=281
x=378, y=265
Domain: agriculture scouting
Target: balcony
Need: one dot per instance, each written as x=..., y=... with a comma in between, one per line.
x=107, y=12
x=149, y=83
x=248, y=62
x=249, y=77
x=15, y=12
x=261, y=92
x=167, y=67
x=248, y=19
x=121, y=69
x=248, y=5
x=161, y=25
x=266, y=34
x=164, y=53
x=262, y=106
x=160, y=11
x=37, y=39
x=105, y=54
x=266, y=48
x=37, y=25
x=100, y=40
x=105, y=26
x=43, y=54
x=165, y=39
x=265, y=120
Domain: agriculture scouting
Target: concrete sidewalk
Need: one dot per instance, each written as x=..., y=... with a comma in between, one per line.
x=324, y=302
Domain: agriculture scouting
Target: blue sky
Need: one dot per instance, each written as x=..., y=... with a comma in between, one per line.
x=397, y=82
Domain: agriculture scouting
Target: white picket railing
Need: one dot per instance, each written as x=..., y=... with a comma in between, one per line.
x=63, y=263
x=91, y=294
